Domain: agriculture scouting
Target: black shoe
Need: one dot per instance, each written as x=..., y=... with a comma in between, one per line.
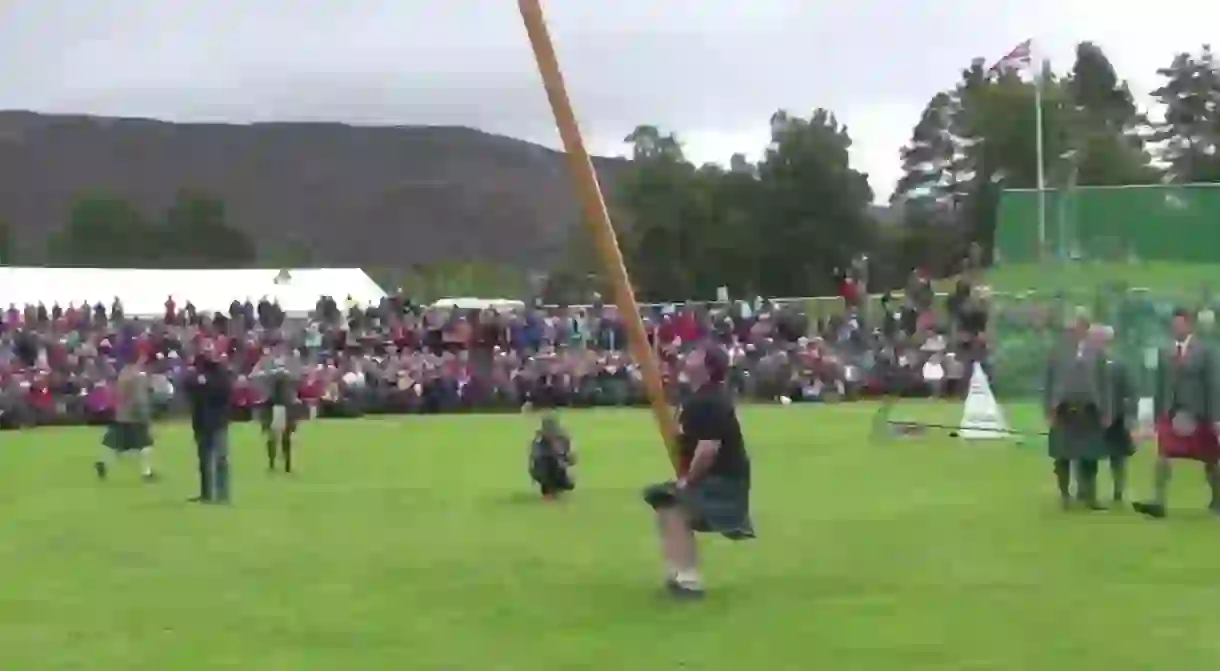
x=1154, y=510
x=199, y=499
x=1117, y=503
x=1092, y=504
x=99, y=467
x=150, y=477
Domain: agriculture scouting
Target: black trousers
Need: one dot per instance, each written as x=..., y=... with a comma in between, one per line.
x=212, y=451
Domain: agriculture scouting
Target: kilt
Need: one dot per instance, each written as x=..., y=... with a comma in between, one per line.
x=292, y=414
x=1118, y=440
x=1077, y=433
x=127, y=436
x=1202, y=446
x=551, y=475
x=715, y=505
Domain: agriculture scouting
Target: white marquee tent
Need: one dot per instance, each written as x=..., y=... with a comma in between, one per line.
x=143, y=292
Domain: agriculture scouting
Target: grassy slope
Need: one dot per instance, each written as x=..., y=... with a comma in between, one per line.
x=1159, y=276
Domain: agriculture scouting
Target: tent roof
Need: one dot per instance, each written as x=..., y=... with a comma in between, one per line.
x=143, y=292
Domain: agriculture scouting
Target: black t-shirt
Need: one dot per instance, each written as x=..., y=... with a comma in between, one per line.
x=708, y=414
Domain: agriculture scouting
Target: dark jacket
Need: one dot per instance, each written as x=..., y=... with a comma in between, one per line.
x=209, y=388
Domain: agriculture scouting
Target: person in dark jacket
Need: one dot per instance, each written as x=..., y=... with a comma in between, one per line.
x=209, y=388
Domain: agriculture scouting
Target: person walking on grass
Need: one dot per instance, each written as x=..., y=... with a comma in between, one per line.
x=1186, y=404
x=131, y=429
x=1118, y=437
x=209, y=388
x=1076, y=401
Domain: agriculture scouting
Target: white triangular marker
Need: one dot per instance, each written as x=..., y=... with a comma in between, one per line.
x=982, y=418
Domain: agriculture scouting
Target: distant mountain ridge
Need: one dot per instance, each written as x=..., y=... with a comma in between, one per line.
x=353, y=195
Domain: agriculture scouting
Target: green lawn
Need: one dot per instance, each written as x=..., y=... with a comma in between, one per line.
x=414, y=543
x=1160, y=276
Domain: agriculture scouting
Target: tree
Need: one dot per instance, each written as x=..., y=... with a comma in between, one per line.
x=932, y=159
x=293, y=253
x=6, y=243
x=814, y=208
x=974, y=140
x=658, y=198
x=107, y=232
x=196, y=233
x=1190, y=132
x=1106, y=143
x=778, y=227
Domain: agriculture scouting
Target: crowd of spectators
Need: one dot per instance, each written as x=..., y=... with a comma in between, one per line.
x=57, y=363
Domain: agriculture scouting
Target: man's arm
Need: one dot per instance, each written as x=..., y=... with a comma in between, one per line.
x=1048, y=384
x=1212, y=384
x=701, y=463
x=1105, y=385
x=1158, y=389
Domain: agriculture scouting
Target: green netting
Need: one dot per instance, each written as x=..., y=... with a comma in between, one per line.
x=1158, y=222
x=1028, y=325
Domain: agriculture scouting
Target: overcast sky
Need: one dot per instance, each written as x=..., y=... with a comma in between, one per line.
x=712, y=70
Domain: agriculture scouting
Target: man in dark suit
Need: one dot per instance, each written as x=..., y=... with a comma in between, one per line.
x=209, y=388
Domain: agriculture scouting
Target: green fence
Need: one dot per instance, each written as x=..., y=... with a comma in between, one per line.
x=1028, y=325
x=1157, y=222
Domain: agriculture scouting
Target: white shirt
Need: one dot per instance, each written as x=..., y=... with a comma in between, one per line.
x=1182, y=346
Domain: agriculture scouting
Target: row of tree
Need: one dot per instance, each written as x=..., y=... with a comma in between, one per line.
x=782, y=225
x=111, y=232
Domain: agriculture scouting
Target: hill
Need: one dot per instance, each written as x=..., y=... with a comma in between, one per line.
x=361, y=196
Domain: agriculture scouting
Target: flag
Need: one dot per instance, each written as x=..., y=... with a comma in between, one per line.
x=1020, y=57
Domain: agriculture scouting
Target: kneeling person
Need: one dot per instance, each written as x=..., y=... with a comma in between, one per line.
x=551, y=458
x=712, y=493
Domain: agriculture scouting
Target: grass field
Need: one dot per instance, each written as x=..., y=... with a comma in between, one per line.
x=414, y=543
x=1159, y=276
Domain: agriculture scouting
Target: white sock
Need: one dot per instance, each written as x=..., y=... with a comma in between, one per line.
x=689, y=578
x=146, y=460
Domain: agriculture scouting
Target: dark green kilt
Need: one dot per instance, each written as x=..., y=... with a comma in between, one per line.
x=1119, y=440
x=126, y=436
x=551, y=475
x=292, y=413
x=1077, y=433
x=716, y=505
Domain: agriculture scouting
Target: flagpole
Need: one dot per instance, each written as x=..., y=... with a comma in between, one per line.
x=597, y=217
x=1039, y=150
